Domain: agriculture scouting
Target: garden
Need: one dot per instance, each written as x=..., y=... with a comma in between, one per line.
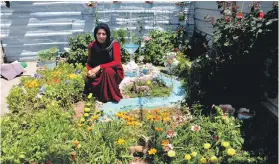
x=52, y=120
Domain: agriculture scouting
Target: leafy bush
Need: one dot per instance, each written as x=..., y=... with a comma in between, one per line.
x=79, y=48
x=121, y=35
x=48, y=54
x=234, y=72
x=161, y=43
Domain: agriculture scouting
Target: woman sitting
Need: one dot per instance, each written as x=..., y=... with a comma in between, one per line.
x=104, y=66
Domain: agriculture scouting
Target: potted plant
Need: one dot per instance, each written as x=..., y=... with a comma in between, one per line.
x=48, y=57
x=181, y=18
x=92, y=4
x=179, y=4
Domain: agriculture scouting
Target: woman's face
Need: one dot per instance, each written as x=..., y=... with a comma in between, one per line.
x=101, y=36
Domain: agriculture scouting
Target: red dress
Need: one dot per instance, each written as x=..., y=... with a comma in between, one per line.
x=105, y=86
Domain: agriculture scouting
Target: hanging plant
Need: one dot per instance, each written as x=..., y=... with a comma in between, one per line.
x=179, y=4
x=149, y=2
x=92, y=4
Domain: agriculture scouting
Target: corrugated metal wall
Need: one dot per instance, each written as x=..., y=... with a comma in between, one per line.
x=203, y=8
x=28, y=27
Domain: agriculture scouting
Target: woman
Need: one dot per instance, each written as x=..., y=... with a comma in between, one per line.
x=104, y=66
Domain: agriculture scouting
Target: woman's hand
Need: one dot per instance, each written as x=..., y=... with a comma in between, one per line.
x=91, y=74
x=96, y=69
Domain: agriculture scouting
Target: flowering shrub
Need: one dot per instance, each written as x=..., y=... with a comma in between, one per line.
x=63, y=84
x=241, y=46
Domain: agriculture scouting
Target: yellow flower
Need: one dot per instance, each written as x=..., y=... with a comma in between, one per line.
x=148, y=82
x=78, y=146
x=187, y=157
x=120, y=114
x=213, y=159
x=194, y=154
x=231, y=152
x=87, y=109
x=82, y=119
x=120, y=141
x=94, y=117
x=167, y=118
x=206, y=146
x=203, y=160
x=72, y=76
x=89, y=128
x=158, y=129
x=80, y=125
x=152, y=151
x=225, y=144
x=86, y=114
x=171, y=153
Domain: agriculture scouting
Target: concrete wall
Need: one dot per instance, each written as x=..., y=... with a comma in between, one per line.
x=203, y=8
x=30, y=26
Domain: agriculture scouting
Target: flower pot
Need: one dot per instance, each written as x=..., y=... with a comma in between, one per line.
x=47, y=64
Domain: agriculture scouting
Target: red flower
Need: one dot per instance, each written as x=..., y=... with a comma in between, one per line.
x=261, y=14
x=48, y=162
x=239, y=16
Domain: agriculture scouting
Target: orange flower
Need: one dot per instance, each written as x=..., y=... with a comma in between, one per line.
x=157, y=118
x=94, y=117
x=158, y=129
x=156, y=111
x=165, y=142
x=76, y=142
x=152, y=151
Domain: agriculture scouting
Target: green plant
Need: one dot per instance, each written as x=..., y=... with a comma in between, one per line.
x=153, y=52
x=48, y=54
x=37, y=136
x=79, y=48
x=121, y=35
x=183, y=68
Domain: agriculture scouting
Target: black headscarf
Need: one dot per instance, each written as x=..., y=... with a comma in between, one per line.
x=106, y=28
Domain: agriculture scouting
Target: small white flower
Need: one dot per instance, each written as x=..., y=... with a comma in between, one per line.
x=195, y=128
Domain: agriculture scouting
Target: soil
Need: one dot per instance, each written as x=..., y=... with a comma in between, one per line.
x=79, y=109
